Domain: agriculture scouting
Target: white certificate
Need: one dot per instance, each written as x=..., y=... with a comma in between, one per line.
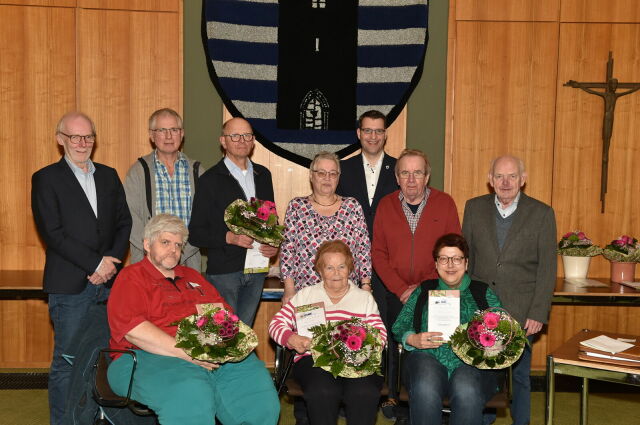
x=444, y=312
x=255, y=262
x=308, y=316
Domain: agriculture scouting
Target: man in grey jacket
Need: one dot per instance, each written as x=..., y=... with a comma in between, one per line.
x=512, y=242
x=163, y=181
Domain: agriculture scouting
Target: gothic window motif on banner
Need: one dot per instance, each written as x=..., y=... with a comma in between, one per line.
x=314, y=111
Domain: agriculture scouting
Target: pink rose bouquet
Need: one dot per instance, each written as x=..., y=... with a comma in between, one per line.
x=492, y=339
x=216, y=336
x=256, y=219
x=347, y=348
x=577, y=244
x=624, y=249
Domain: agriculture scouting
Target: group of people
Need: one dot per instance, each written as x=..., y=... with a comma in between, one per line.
x=363, y=242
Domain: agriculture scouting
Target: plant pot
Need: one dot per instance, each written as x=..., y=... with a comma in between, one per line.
x=575, y=267
x=622, y=272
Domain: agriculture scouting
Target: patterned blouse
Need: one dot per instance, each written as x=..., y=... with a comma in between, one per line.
x=305, y=230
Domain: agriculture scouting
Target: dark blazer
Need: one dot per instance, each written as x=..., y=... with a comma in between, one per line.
x=217, y=188
x=76, y=240
x=353, y=183
x=523, y=273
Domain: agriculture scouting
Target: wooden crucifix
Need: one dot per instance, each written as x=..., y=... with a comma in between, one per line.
x=609, y=95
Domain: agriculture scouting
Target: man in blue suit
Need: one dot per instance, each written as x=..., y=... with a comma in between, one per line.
x=368, y=177
x=81, y=213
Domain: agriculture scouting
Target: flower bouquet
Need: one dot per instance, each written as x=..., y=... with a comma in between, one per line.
x=347, y=348
x=256, y=219
x=576, y=244
x=625, y=249
x=215, y=336
x=492, y=339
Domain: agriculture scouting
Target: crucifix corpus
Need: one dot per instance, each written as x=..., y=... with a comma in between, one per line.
x=610, y=95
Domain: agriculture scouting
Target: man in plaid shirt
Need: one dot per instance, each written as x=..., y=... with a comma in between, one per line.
x=162, y=182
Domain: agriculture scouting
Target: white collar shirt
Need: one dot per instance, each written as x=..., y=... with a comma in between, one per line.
x=371, y=175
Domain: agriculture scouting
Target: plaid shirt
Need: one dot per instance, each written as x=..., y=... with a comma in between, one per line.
x=412, y=218
x=173, y=195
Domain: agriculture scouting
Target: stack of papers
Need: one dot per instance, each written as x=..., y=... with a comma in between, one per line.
x=635, y=285
x=605, y=343
x=608, y=350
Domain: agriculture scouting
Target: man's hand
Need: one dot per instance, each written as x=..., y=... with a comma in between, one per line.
x=96, y=279
x=407, y=293
x=299, y=343
x=532, y=326
x=108, y=268
x=268, y=250
x=206, y=365
x=425, y=340
x=242, y=241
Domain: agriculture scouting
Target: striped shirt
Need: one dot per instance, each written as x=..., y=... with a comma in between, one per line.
x=173, y=194
x=356, y=303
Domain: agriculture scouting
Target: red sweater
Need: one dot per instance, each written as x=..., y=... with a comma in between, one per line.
x=400, y=258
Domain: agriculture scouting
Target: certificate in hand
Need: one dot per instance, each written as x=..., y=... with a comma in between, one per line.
x=308, y=316
x=444, y=312
x=255, y=262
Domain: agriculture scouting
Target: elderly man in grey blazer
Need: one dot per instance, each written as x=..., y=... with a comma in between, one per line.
x=512, y=242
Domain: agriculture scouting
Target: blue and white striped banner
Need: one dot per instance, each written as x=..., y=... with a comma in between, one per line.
x=302, y=71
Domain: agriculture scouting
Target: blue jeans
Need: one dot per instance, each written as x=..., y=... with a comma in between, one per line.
x=468, y=390
x=67, y=312
x=241, y=291
x=182, y=393
x=521, y=397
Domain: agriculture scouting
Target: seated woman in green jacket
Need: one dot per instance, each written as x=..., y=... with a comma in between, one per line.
x=431, y=370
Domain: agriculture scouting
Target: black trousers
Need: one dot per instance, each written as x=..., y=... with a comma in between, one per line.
x=323, y=395
x=389, y=305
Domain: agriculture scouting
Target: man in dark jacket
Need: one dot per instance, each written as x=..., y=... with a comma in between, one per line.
x=81, y=213
x=234, y=177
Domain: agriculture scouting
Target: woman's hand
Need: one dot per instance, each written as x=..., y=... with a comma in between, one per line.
x=299, y=343
x=206, y=365
x=425, y=340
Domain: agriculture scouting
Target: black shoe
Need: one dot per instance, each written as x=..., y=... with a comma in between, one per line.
x=389, y=408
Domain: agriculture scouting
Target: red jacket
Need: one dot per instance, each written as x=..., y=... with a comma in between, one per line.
x=401, y=259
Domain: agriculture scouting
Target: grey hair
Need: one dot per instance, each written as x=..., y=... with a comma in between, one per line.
x=325, y=155
x=521, y=169
x=164, y=112
x=61, y=126
x=165, y=223
x=414, y=152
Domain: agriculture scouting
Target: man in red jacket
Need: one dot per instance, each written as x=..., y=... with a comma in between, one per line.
x=407, y=224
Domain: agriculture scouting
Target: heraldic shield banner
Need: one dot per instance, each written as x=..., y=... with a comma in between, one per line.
x=303, y=71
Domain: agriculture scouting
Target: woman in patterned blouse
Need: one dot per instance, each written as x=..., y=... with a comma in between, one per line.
x=319, y=217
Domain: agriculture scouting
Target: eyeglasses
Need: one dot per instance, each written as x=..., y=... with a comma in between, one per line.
x=418, y=174
x=247, y=137
x=75, y=139
x=324, y=174
x=378, y=131
x=443, y=260
x=165, y=131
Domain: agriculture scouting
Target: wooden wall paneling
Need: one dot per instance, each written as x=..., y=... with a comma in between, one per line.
x=37, y=86
x=507, y=10
x=600, y=11
x=577, y=166
x=148, y=5
x=54, y=3
x=27, y=339
x=125, y=76
x=505, y=77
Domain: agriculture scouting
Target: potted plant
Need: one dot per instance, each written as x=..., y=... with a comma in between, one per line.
x=624, y=253
x=576, y=250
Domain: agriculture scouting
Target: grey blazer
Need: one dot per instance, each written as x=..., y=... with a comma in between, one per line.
x=523, y=273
